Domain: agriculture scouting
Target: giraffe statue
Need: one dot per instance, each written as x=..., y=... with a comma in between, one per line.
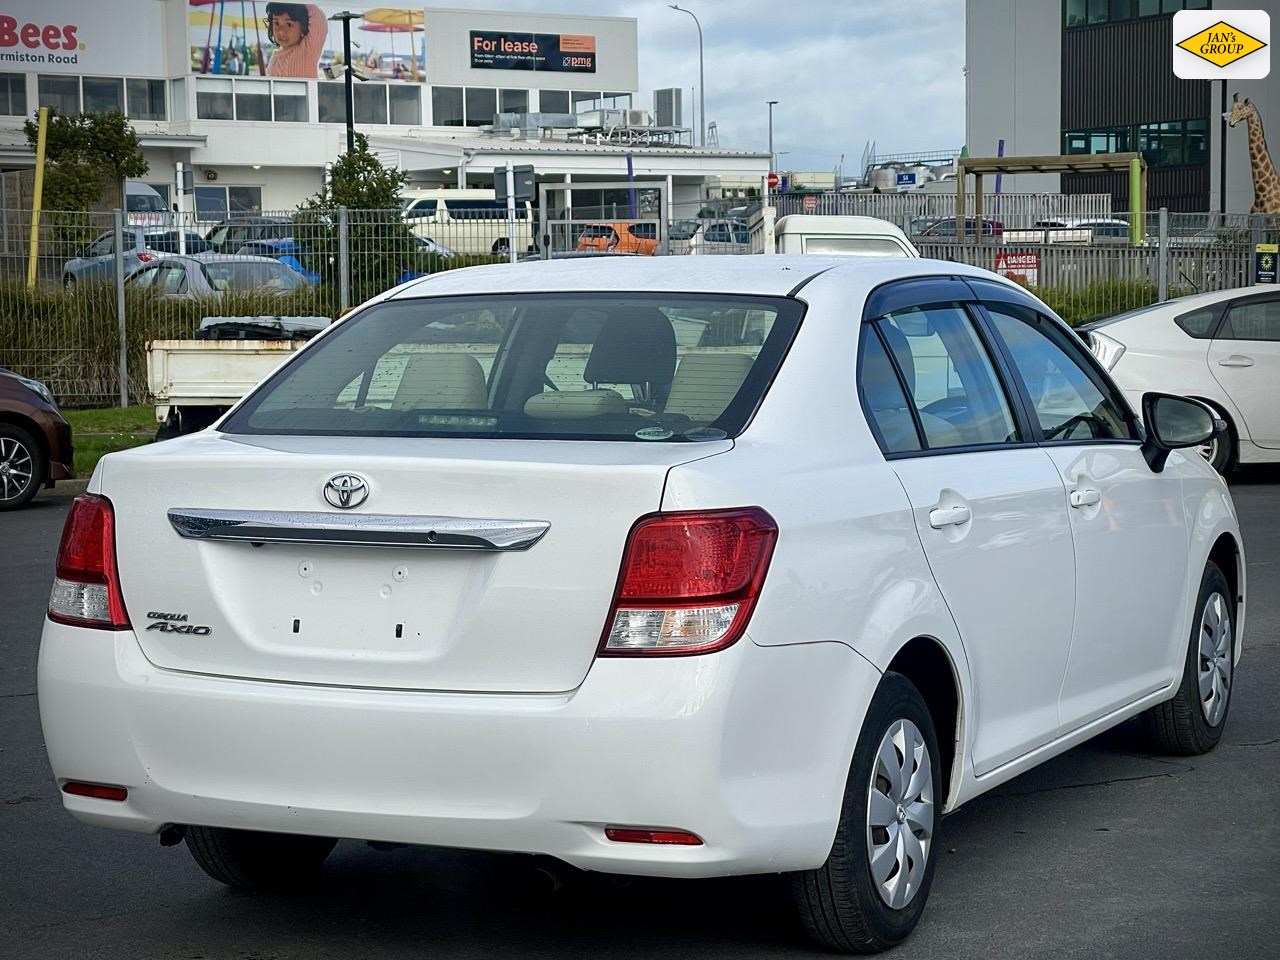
x=1266, y=183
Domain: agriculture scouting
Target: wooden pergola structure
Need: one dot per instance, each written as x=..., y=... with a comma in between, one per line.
x=1075, y=163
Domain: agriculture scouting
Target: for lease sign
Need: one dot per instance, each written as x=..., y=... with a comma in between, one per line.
x=559, y=52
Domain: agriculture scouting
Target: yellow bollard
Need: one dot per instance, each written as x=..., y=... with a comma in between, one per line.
x=43, y=125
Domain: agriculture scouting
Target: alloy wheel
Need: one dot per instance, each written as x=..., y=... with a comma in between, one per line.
x=1209, y=450
x=17, y=469
x=900, y=814
x=1216, y=650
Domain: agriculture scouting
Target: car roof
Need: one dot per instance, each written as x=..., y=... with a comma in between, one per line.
x=759, y=275
x=211, y=257
x=1179, y=305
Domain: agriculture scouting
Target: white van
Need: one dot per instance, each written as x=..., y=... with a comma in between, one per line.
x=841, y=236
x=468, y=221
x=144, y=207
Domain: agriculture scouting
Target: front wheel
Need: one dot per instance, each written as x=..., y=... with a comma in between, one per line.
x=247, y=860
x=22, y=467
x=870, y=893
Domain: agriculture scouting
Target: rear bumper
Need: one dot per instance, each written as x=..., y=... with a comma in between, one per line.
x=57, y=435
x=748, y=748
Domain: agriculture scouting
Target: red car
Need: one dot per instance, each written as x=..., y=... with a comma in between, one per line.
x=35, y=441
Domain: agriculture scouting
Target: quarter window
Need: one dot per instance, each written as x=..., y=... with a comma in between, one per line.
x=1197, y=323
x=1253, y=321
x=1068, y=403
x=883, y=399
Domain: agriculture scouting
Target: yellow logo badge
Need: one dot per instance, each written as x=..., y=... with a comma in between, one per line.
x=1221, y=44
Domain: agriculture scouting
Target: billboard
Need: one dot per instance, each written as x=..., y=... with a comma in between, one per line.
x=273, y=39
x=71, y=36
x=558, y=52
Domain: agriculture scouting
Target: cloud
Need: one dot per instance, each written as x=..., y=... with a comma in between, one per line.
x=843, y=72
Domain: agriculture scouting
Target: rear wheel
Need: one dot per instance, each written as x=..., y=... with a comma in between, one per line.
x=1220, y=451
x=248, y=860
x=1192, y=722
x=22, y=467
x=870, y=893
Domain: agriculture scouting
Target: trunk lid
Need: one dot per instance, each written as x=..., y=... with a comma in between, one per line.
x=403, y=617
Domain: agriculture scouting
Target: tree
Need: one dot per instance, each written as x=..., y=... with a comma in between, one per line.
x=83, y=154
x=380, y=244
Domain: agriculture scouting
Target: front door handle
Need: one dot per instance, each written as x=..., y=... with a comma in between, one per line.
x=1085, y=497
x=1236, y=360
x=949, y=516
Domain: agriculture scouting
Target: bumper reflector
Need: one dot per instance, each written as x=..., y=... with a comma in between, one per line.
x=98, y=791
x=644, y=835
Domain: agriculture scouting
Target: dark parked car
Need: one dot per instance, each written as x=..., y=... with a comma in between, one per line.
x=35, y=441
x=230, y=235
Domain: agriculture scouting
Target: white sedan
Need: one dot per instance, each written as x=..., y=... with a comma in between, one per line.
x=1222, y=348
x=502, y=561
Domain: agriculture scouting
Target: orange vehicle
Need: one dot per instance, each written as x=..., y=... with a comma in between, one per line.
x=639, y=237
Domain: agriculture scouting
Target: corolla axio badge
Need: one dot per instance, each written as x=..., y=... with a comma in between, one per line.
x=346, y=490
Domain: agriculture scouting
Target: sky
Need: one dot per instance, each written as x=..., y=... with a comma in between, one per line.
x=844, y=73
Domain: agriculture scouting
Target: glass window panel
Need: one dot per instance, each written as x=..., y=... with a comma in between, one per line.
x=163, y=190
x=514, y=101
x=1121, y=9
x=371, y=102
x=1198, y=323
x=952, y=380
x=253, y=99
x=60, y=93
x=330, y=98
x=1148, y=8
x=406, y=103
x=1097, y=11
x=446, y=106
x=103, y=95
x=290, y=98
x=211, y=203
x=883, y=400
x=1078, y=12
x=13, y=94
x=553, y=101
x=146, y=99
x=214, y=99
x=1253, y=321
x=1068, y=403
x=585, y=100
x=617, y=101
x=178, y=99
x=482, y=104
x=244, y=199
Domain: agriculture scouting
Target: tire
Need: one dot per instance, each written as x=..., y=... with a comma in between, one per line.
x=1220, y=452
x=1192, y=722
x=247, y=860
x=22, y=467
x=842, y=906
x=501, y=245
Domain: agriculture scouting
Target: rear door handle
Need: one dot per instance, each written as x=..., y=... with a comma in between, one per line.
x=1085, y=497
x=1236, y=360
x=949, y=516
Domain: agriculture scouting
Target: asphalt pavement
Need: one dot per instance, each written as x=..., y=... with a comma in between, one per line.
x=1106, y=851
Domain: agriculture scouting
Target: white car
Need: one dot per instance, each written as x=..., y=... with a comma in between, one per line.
x=500, y=561
x=1222, y=348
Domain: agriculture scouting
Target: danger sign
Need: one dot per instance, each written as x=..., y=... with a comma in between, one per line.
x=1023, y=268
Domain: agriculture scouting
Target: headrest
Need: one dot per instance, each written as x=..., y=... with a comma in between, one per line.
x=635, y=345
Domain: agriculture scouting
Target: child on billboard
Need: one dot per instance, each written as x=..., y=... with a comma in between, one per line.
x=298, y=30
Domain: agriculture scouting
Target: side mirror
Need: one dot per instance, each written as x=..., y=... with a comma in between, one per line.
x=1174, y=423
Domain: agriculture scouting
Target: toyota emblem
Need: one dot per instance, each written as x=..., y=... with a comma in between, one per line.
x=346, y=490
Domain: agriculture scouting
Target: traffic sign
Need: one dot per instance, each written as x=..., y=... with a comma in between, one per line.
x=906, y=179
x=772, y=180
x=810, y=203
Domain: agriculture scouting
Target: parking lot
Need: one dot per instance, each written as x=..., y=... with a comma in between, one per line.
x=1104, y=852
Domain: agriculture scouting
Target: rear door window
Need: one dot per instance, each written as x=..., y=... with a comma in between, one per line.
x=1252, y=321
x=636, y=367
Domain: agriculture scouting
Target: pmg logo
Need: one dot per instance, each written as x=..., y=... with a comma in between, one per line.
x=1221, y=44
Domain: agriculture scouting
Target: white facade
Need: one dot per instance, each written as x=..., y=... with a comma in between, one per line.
x=261, y=143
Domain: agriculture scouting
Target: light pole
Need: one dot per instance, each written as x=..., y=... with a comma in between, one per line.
x=771, y=103
x=702, y=80
x=346, y=17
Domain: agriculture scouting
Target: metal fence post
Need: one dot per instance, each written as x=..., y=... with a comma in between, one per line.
x=1162, y=263
x=117, y=216
x=344, y=258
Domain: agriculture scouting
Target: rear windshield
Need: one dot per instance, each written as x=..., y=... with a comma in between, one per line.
x=636, y=367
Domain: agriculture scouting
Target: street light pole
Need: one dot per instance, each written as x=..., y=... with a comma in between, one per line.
x=702, y=80
x=348, y=77
x=772, y=164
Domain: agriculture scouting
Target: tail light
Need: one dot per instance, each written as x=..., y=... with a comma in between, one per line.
x=689, y=582
x=86, y=584
x=146, y=257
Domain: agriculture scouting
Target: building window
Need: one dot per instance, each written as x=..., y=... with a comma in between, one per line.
x=103, y=95
x=253, y=99
x=371, y=103
x=214, y=99
x=1180, y=143
x=146, y=99
x=329, y=98
x=1099, y=140
x=482, y=104
x=553, y=101
x=406, y=104
x=1083, y=13
x=59, y=93
x=290, y=100
x=513, y=101
x=178, y=97
x=446, y=106
x=585, y=100
x=616, y=101
x=219, y=203
x=13, y=94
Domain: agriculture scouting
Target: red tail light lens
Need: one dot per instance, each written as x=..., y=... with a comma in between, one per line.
x=86, y=585
x=642, y=835
x=98, y=791
x=146, y=257
x=689, y=581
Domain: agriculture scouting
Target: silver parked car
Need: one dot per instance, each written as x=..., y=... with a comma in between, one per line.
x=212, y=274
x=97, y=261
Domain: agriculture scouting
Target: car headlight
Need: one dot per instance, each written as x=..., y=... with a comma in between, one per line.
x=1107, y=350
x=35, y=385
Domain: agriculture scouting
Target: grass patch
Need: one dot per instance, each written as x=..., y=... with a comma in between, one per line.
x=95, y=433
